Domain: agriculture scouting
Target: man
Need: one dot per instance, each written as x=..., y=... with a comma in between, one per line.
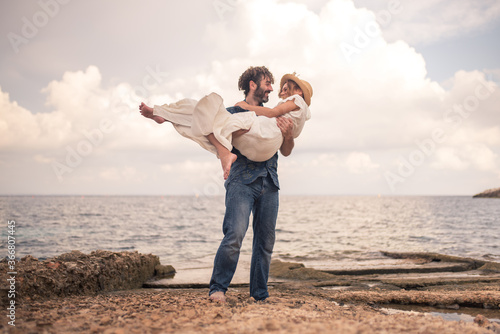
x=252, y=187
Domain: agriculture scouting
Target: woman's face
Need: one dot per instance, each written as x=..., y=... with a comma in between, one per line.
x=285, y=92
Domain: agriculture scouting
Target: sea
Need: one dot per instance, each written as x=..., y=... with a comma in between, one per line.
x=323, y=232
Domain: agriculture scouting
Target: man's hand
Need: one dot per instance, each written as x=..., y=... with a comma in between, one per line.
x=286, y=127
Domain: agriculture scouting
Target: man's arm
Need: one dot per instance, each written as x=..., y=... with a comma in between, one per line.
x=277, y=111
x=286, y=125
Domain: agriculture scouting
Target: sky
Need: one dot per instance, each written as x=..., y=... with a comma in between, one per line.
x=406, y=94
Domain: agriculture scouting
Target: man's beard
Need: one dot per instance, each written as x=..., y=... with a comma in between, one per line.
x=260, y=94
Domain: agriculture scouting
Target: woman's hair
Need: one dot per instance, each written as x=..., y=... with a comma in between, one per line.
x=255, y=74
x=292, y=86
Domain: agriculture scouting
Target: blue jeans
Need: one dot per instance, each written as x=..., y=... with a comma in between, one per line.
x=261, y=198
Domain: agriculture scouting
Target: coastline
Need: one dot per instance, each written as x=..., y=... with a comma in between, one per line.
x=489, y=193
x=290, y=309
x=303, y=300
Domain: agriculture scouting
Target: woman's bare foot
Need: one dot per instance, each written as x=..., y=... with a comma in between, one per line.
x=218, y=296
x=158, y=119
x=146, y=111
x=227, y=159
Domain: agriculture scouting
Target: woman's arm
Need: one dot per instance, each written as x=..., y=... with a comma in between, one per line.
x=277, y=111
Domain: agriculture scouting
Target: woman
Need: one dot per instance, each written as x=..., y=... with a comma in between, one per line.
x=208, y=123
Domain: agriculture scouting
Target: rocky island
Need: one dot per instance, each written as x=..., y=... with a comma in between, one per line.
x=490, y=193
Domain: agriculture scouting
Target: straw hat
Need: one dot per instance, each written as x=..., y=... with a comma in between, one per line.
x=304, y=85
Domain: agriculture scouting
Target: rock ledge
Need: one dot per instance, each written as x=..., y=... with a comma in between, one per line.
x=77, y=273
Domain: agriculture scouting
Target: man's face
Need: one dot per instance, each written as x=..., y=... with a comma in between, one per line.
x=262, y=92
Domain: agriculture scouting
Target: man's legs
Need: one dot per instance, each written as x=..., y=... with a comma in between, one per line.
x=264, y=225
x=239, y=203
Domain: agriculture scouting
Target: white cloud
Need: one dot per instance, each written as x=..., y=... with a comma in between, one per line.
x=83, y=111
x=118, y=174
x=475, y=155
x=360, y=163
x=448, y=158
x=483, y=157
x=22, y=129
x=430, y=21
x=39, y=158
x=364, y=109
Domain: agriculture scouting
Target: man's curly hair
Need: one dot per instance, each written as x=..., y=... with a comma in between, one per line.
x=255, y=74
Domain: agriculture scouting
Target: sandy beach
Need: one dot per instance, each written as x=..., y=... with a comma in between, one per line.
x=302, y=300
x=293, y=308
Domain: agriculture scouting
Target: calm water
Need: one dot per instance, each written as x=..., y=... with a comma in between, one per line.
x=328, y=232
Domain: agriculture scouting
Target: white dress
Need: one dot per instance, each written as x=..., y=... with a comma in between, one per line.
x=197, y=119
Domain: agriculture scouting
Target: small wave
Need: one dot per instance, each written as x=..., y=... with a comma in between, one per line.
x=420, y=238
x=90, y=215
x=124, y=248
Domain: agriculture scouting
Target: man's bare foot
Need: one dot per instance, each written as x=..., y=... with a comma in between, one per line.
x=218, y=296
x=227, y=159
x=145, y=110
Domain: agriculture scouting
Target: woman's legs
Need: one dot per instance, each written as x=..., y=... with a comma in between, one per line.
x=226, y=157
x=147, y=112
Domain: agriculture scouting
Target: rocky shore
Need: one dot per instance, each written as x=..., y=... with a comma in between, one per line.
x=490, y=193
x=303, y=300
x=77, y=273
